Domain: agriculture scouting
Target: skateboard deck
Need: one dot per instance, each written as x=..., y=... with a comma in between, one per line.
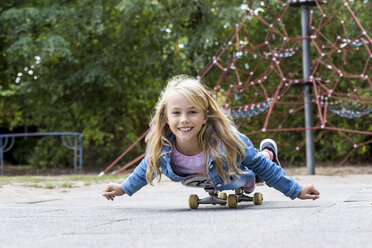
x=198, y=181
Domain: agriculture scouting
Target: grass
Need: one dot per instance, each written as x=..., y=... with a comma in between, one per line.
x=50, y=186
x=51, y=182
x=34, y=185
x=67, y=185
x=40, y=186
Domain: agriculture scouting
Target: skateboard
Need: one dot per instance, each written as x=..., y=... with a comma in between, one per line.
x=217, y=197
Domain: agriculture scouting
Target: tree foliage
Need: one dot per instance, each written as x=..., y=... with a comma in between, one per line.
x=96, y=67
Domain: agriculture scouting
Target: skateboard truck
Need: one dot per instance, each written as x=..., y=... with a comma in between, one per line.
x=222, y=198
x=213, y=198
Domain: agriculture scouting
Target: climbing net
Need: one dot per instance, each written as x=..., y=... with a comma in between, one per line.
x=257, y=72
x=258, y=69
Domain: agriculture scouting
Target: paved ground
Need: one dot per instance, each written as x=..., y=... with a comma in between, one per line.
x=159, y=217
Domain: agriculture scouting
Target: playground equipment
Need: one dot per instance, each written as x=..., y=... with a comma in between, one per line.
x=76, y=145
x=257, y=69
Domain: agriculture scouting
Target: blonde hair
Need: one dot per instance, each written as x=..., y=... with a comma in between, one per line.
x=216, y=137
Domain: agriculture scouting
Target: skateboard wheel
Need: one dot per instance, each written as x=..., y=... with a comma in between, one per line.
x=257, y=198
x=193, y=201
x=222, y=195
x=232, y=201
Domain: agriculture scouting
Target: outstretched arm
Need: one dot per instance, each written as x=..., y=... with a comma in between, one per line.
x=309, y=192
x=112, y=190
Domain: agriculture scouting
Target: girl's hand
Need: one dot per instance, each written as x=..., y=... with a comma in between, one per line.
x=309, y=192
x=112, y=190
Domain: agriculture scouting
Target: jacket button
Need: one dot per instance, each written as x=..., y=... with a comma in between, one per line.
x=219, y=185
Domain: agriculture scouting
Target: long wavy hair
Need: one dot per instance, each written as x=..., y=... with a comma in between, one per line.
x=216, y=137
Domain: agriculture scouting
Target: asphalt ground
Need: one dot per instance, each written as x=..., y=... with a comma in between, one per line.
x=159, y=216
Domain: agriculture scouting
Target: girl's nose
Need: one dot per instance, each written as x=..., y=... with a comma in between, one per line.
x=184, y=119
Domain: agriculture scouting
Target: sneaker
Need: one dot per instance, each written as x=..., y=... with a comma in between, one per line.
x=270, y=144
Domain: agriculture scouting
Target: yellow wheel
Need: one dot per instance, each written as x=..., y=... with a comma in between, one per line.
x=222, y=195
x=193, y=201
x=232, y=201
x=257, y=198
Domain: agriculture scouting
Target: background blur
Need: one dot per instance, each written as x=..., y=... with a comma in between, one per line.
x=97, y=67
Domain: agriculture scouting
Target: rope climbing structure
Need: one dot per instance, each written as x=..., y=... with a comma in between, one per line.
x=258, y=74
x=264, y=68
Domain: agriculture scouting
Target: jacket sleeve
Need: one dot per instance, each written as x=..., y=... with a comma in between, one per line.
x=267, y=170
x=137, y=179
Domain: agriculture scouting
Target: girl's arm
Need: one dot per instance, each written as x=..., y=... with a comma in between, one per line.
x=137, y=179
x=309, y=192
x=275, y=175
x=112, y=190
x=267, y=170
x=132, y=184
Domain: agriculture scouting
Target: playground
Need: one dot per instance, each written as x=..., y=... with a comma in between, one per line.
x=295, y=71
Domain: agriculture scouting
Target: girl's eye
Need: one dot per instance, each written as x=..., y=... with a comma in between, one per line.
x=175, y=112
x=193, y=112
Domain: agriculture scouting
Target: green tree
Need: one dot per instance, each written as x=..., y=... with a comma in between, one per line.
x=97, y=67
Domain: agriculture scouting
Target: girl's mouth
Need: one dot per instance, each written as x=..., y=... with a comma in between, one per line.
x=185, y=129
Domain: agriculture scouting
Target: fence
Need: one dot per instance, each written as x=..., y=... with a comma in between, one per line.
x=77, y=145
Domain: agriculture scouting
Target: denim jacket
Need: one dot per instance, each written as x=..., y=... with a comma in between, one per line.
x=252, y=164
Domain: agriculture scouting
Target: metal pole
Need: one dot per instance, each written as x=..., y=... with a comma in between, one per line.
x=75, y=153
x=1, y=155
x=81, y=152
x=25, y=128
x=306, y=66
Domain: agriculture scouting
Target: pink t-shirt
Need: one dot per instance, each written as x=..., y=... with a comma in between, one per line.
x=186, y=165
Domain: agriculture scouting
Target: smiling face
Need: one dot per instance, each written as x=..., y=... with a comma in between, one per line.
x=185, y=121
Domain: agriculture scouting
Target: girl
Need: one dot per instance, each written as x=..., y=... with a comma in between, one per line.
x=190, y=134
